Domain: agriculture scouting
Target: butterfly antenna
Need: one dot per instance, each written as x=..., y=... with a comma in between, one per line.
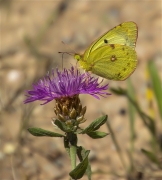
x=63, y=56
x=69, y=53
x=62, y=61
x=72, y=51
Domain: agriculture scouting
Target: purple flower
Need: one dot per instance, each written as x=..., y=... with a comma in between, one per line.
x=65, y=84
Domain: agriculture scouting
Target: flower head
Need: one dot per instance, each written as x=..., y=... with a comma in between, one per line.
x=67, y=83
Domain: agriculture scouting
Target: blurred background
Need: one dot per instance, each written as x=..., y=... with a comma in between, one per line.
x=31, y=35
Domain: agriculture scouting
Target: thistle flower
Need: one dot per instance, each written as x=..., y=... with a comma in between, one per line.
x=65, y=84
x=65, y=87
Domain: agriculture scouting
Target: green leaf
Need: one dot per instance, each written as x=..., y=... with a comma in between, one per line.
x=80, y=169
x=152, y=157
x=97, y=134
x=42, y=132
x=131, y=112
x=88, y=171
x=156, y=83
x=61, y=125
x=81, y=152
x=150, y=123
x=95, y=125
x=118, y=91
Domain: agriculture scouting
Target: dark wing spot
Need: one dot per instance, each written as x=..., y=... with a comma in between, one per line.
x=112, y=46
x=128, y=64
x=124, y=69
x=113, y=58
x=105, y=41
x=118, y=74
x=123, y=49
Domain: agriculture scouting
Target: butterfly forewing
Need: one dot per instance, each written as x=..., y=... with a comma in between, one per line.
x=116, y=62
x=123, y=34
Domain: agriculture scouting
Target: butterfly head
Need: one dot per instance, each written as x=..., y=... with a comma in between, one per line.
x=78, y=57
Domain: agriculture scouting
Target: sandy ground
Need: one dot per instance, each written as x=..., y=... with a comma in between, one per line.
x=31, y=35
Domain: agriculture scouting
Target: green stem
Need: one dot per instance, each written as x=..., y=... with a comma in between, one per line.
x=73, y=156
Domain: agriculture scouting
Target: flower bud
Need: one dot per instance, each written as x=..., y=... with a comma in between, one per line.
x=65, y=110
x=58, y=107
x=61, y=117
x=83, y=111
x=80, y=118
x=79, y=108
x=68, y=122
x=72, y=114
x=83, y=121
x=55, y=111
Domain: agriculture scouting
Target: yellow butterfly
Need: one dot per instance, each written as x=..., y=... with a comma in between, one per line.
x=113, y=55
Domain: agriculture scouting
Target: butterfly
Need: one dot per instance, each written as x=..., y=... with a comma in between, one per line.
x=112, y=56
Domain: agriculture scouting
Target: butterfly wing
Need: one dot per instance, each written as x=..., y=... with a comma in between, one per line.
x=116, y=62
x=123, y=34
